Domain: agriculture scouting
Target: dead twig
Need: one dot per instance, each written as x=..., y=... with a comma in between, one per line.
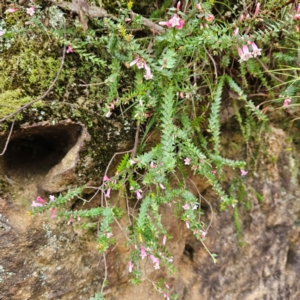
x=8, y=138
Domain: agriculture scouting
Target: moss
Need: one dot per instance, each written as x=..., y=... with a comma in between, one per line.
x=12, y=100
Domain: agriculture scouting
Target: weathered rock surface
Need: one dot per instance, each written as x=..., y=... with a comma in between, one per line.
x=44, y=258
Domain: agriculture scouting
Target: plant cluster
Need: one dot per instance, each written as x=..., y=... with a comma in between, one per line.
x=173, y=76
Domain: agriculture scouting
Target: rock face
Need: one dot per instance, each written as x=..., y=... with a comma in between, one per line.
x=44, y=258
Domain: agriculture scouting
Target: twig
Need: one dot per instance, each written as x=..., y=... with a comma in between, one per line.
x=266, y=69
x=45, y=94
x=105, y=273
x=213, y=61
x=212, y=212
x=136, y=141
x=8, y=138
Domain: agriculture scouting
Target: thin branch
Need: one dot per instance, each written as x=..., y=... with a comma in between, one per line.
x=213, y=61
x=8, y=138
x=267, y=70
x=105, y=273
x=136, y=141
x=45, y=94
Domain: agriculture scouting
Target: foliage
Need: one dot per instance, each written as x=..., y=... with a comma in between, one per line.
x=176, y=82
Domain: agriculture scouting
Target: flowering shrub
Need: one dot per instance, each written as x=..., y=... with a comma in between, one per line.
x=174, y=76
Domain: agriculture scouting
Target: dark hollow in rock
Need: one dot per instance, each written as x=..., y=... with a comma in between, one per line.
x=37, y=149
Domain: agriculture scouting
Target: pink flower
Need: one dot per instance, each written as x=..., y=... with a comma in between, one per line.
x=210, y=18
x=41, y=200
x=152, y=165
x=167, y=286
x=11, y=10
x=130, y=266
x=199, y=7
x=187, y=225
x=143, y=252
x=132, y=162
x=255, y=50
x=109, y=234
x=164, y=239
x=203, y=234
x=30, y=11
x=286, y=102
x=187, y=161
x=214, y=172
x=36, y=204
x=69, y=49
x=70, y=220
x=106, y=178
x=166, y=296
x=2, y=32
x=257, y=9
x=148, y=74
x=186, y=206
x=243, y=172
x=162, y=186
x=236, y=31
x=155, y=261
x=245, y=54
x=52, y=198
x=178, y=5
x=138, y=194
x=134, y=62
x=107, y=195
x=181, y=23
x=53, y=212
x=175, y=21
x=296, y=16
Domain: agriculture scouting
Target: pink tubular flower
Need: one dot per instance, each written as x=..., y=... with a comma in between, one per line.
x=210, y=18
x=11, y=10
x=53, y=212
x=203, y=234
x=36, y=204
x=214, y=172
x=138, y=194
x=187, y=225
x=199, y=7
x=286, y=102
x=2, y=32
x=69, y=49
x=52, y=198
x=245, y=54
x=41, y=200
x=30, y=11
x=255, y=50
x=106, y=178
x=166, y=296
x=130, y=266
x=257, y=9
x=107, y=195
x=134, y=62
x=186, y=206
x=143, y=252
x=152, y=165
x=236, y=32
x=243, y=172
x=187, y=161
x=70, y=220
x=164, y=239
x=175, y=21
x=296, y=17
x=155, y=261
x=148, y=74
x=162, y=186
x=178, y=5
